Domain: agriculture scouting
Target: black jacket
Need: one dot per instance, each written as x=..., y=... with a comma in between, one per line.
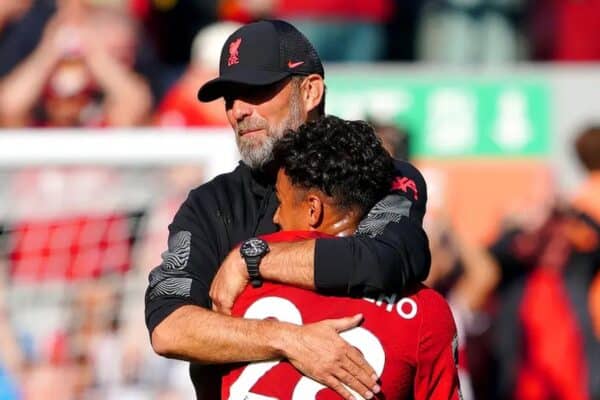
x=389, y=252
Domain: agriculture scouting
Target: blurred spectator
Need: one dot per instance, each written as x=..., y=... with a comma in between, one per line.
x=587, y=200
x=578, y=30
x=80, y=74
x=467, y=276
x=395, y=140
x=560, y=30
x=10, y=11
x=181, y=107
x=471, y=31
x=169, y=28
x=544, y=340
x=541, y=29
x=550, y=350
x=16, y=42
x=172, y=25
x=401, y=30
x=340, y=30
x=587, y=147
x=44, y=380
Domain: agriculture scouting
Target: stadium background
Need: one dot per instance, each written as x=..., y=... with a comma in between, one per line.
x=487, y=97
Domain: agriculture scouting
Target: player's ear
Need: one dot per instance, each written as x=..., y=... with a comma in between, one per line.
x=312, y=89
x=315, y=210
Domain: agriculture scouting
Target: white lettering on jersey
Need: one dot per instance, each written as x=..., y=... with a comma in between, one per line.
x=400, y=305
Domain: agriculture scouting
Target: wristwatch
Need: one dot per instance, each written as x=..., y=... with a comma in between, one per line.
x=253, y=250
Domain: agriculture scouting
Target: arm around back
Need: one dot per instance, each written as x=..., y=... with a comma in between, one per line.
x=390, y=250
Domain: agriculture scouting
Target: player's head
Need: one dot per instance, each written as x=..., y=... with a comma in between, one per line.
x=587, y=147
x=272, y=80
x=331, y=172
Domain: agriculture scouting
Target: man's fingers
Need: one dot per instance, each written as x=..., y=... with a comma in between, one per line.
x=360, y=368
x=334, y=384
x=350, y=380
x=343, y=324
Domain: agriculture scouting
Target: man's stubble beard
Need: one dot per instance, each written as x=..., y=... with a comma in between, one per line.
x=258, y=151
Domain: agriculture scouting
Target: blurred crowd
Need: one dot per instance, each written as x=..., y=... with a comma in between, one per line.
x=139, y=62
x=72, y=281
x=527, y=304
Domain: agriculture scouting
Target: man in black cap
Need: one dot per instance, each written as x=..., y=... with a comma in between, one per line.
x=272, y=80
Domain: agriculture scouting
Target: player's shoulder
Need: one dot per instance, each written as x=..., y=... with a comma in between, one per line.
x=433, y=304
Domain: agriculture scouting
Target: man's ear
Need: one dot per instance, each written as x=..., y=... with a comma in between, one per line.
x=315, y=210
x=313, y=90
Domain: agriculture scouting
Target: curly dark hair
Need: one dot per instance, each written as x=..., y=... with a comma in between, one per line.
x=343, y=159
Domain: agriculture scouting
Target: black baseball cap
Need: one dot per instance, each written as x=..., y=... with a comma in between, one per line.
x=262, y=53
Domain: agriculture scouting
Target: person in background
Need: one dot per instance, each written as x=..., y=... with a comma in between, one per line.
x=80, y=74
x=180, y=106
x=14, y=44
x=10, y=11
x=577, y=30
x=341, y=31
x=587, y=201
x=395, y=140
x=587, y=148
x=467, y=276
x=550, y=278
x=461, y=32
x=171, y=27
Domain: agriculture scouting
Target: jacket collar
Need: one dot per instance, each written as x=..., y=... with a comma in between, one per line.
x=261, y=182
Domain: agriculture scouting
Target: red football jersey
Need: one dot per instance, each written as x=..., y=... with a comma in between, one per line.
x=409, y=340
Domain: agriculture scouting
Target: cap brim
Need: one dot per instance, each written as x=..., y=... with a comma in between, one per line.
x=216, y=88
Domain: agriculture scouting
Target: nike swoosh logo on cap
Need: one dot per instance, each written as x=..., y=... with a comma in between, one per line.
x=294, y=64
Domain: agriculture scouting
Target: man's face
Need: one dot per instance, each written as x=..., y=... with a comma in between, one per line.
x=261, y=115
x=67, y=96
x=293, y=213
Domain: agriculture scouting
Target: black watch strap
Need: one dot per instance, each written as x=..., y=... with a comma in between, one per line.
x=253, y=250
x=252, y=264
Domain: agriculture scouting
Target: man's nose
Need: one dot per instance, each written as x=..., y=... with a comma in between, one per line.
x=241, y=109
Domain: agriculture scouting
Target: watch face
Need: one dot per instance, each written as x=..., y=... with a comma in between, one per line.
x=254, y=247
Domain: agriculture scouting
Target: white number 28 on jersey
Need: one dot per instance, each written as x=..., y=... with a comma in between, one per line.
x=306, y=388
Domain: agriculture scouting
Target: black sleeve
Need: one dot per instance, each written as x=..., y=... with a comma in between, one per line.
x=390, y=250
x=189, y=263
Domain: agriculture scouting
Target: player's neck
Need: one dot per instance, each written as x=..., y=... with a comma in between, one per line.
x=340, y=225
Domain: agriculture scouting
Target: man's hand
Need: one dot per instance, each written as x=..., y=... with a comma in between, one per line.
x=229, y=282
x=319, y=352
